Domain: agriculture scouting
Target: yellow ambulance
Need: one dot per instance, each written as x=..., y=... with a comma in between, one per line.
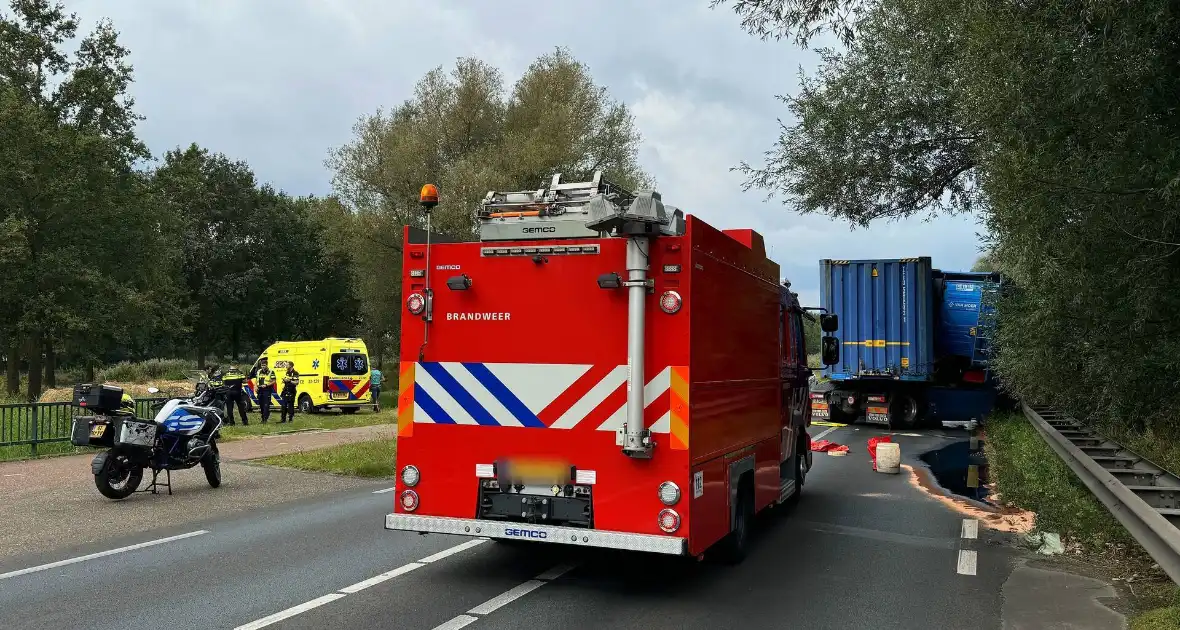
x=333, y=374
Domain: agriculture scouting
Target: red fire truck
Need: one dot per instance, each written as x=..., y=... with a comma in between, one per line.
x=598, y=370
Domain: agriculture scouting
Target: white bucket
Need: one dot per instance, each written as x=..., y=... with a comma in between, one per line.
x=888, y=457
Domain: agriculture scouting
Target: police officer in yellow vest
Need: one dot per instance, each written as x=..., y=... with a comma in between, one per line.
x=234, y=379
x=264, y=388
x=290, y=387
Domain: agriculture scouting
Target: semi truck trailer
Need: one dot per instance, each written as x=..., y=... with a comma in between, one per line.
x=916, y=345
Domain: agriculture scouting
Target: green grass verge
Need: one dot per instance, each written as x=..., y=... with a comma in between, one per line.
x=1029, y=474
x=1158, y=619
x=49, y=449
x=328, y=420
x=303, y=421
x=375, y=458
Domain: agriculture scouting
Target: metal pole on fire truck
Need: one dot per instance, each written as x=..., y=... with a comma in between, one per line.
x=428, y=197
x=636, y=441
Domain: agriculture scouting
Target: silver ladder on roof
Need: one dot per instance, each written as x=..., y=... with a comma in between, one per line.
x=557, y=211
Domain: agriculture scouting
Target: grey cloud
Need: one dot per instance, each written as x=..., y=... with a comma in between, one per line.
x=279, y=82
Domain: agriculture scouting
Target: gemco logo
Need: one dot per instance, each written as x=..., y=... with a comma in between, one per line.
x=548, y=229
x=526, y=533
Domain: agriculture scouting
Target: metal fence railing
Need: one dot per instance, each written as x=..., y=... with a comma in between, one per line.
x=40, y=423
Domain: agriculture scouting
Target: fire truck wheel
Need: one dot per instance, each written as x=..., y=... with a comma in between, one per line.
x=733, y=548
x=800, y=473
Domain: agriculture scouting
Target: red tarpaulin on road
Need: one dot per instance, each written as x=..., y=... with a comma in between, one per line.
x=873, y=442
x=824, y=446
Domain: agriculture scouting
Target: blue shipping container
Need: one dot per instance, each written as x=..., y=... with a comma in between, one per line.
x=886, y=311
x=966, y=315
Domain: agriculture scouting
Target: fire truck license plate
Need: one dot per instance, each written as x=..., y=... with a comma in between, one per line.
x=546, y=471
x=878, y=415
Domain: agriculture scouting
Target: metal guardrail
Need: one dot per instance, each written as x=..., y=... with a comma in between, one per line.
x=40, y=423
x=1144, y=497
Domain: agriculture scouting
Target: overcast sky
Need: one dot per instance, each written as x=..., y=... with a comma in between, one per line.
x=278, y=83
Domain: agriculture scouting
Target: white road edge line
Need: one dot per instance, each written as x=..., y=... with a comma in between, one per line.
x=821, y=435
x=457, y=622
x=556, y=572
x=362, y=585
x=291, y=612
x=505, y=598
x=453, y=550
x=377, y=579
x=968, y=560
x=101, y=554
x=970, y=528
x=384, y=490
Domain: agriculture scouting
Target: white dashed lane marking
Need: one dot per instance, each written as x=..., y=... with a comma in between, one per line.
x=360, y=586
x=505, y=598
x=968, y=559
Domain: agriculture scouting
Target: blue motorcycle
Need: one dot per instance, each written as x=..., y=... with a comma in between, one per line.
x=182, y=435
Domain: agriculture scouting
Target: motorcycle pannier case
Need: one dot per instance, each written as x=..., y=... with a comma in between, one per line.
x=98, y=397
x=136, y=433
x=81, y=433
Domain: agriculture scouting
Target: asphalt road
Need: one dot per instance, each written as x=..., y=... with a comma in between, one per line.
x=862, y=550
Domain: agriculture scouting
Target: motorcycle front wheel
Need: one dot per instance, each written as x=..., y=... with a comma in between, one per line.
x=212, y=465
x=118, y=479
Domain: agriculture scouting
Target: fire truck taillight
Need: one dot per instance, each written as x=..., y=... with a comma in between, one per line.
x=415, y=303
x=669, y=493
x=411, y=476
x=670, y=302
x=409, y=500
x=669, y=520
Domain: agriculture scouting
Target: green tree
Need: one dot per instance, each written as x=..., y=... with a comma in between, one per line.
x=1056, y=121
x=215, y=201
x=464, y=133
x=66, y=168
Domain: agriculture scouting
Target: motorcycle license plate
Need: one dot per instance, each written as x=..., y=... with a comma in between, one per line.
x=98, y=430
x=820, y=410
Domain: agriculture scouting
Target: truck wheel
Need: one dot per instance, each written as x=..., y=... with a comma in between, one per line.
x=801, y=471
x=733, y=548
x=903, y=412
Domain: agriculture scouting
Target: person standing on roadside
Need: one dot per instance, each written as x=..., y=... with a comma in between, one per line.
x=290, y=385
x=264, y=387
x=234, y=379
x=375, y=388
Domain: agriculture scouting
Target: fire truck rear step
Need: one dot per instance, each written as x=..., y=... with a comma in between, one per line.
x=668, y=545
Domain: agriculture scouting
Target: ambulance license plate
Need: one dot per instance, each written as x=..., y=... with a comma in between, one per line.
x=877, y=415
x=338, y=395
x=98, y=430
